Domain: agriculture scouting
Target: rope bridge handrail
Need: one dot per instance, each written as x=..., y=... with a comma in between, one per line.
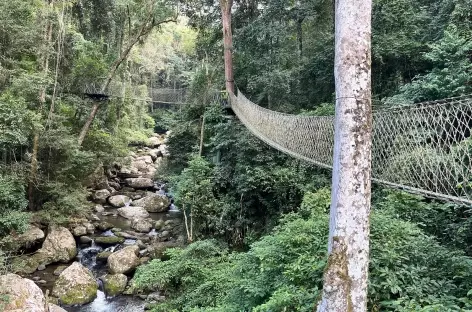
x=423, y=148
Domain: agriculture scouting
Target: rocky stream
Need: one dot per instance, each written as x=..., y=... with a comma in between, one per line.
x=87, y=264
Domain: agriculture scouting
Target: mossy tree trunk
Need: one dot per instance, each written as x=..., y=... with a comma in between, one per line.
x=345, y=278
x=226, y=6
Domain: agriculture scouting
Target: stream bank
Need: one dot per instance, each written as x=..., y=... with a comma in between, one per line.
x=134, y=221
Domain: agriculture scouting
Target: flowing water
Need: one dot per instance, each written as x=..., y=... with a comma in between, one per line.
x=118, y=304
x=87, y=255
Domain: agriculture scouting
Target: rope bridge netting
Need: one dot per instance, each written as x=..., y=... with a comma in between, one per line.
x=423, y=148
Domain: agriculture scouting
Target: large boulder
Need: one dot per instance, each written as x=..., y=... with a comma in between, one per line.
x=139, y=165
x=153, y=202
x=100, y=196
x=139, y=183
x=75, y=285
x=146, y=158
x=23, y=295
x=133, y=213
x=154, y=142
x=154, y=153
x=32, y=236
x=119, y=200
x=59, y=246
x=141, y=225
x=124, y=261
x=114, y=284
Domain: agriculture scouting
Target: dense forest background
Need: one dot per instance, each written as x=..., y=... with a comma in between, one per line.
x=260, y=218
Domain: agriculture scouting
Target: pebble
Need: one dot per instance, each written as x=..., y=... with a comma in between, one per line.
x=41, y=267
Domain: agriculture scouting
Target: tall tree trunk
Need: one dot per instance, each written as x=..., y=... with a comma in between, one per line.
x=44, y=63
x=345, y=278
x=226, y=6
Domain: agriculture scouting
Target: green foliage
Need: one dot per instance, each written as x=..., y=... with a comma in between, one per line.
x=16, y=122
x=451, y=74
x=193, y=192
x=409, y=270
x=12, y=204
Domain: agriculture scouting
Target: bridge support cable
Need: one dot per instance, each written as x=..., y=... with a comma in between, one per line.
x=424, y=148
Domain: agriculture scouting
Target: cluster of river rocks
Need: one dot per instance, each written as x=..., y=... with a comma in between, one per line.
x=122, y=194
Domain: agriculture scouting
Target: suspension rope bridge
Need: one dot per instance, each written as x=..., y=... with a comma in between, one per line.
x=423, y=148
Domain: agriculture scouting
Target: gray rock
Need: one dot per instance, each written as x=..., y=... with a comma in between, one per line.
x=85, y=240
x=114, y=284
x=103, y=256
x=75, y=286
x=154, y=142
x=23, y=295
x=41, y=267
x=93, y=217
x=153, y=202
x=126, y=235
x=104, y=226
x=139, y=183
x=140, y=244
x=147, y=159
x=109, y=240
x=141, y=225
x=124, y=261
x=164, y=234
x=79, y=231
x=90, y=227
x=59, y=246
x=159, y=225
x=133, y=212
x=114, y=185
x=32, y=235
x=99, y=208
x=154, y=153
x=119, y=200
x=101, y=196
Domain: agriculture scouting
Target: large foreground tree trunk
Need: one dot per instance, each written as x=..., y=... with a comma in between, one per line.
x=226, y=6
x=345, y=278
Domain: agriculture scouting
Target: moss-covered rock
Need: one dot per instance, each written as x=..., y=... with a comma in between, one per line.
x=103, y=256
x=20, y=294
x=114, y=284
x=109, y=240
x=124, y=261
x=75, y=286
x=59, y=246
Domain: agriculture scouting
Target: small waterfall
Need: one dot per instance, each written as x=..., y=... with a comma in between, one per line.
x=129, y=242
x=108, y=233
x=173, y=208
x=153, y=232
x=88, y=256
